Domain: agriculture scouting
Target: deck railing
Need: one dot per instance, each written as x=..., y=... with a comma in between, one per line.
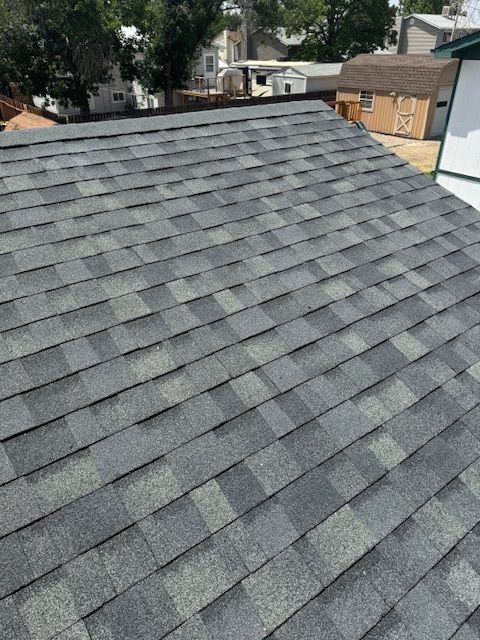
x=351, y=111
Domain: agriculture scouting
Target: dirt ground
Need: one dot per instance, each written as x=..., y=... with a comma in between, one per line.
x=421, y=153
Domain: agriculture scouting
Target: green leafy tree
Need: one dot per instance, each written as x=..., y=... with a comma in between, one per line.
x=226, y=20
x=421, y=6
x=336, y=30
x=62, y=48
x=170, y=35
x=20, y=56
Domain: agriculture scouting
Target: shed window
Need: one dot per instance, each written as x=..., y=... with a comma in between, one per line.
x=209, y=64
x=261, y=80
x=447, y=36
x=288, y=87
x=118, y=96
x=366, y=98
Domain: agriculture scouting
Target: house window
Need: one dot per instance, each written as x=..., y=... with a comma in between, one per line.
x=261, y=80
x=366, y=98
x=118, y=96
x=288, y=87
x=442, y=103
x=209, y=64
x=447, y=36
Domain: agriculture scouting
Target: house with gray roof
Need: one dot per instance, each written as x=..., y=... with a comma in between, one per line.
x=258, y=44
x=307, y=78
x=240, y=364
x=423, y=32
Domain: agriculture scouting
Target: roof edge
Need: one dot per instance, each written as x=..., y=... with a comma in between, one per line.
x=129, y=126
x=457, y=48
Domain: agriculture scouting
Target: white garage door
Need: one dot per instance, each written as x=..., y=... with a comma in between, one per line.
x=443, y=100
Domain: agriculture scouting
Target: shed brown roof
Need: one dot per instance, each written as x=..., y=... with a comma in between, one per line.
x=26, y=120
x=416, y=74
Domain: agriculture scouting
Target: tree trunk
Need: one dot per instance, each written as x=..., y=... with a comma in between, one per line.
x=81, y=97
x=168, y=85
x=85, y=106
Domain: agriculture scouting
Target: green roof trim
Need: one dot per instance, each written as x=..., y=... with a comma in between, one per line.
x=466, y=48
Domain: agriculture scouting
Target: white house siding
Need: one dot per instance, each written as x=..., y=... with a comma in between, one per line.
x=461, y=148
x=298, y=84
x=417, y=38
x=100, y=103
x=201, y=67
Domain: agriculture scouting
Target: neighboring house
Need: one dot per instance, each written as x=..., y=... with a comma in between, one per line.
x=458, y=164
x=229, y=45
x=404, y=95
x=121, y=95
x=115, y=96
x=307, y=78
x=259, y=74
x=208, y=62
x=422, y=32
x=265, y=46
x=240, y=361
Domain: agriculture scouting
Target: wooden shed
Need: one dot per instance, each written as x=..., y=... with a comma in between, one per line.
x=307, y=78
x=403, y=95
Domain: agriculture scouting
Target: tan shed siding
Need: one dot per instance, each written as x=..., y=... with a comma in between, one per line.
x=417, y=38
x=383, y=117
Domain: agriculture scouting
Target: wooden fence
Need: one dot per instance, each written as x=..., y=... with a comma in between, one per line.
x=349, y=110
x=327, y=96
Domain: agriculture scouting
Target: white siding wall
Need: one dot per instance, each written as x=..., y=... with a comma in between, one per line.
x=201, y=70
x=467, y=190
x=278, y=83
x=101, y=103
x=461, y=148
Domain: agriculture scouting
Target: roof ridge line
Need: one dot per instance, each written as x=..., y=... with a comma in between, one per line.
x=147, y=124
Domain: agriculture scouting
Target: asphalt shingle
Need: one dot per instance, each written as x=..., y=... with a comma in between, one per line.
x=240, y=374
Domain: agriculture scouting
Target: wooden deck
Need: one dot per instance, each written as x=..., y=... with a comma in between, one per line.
x=213, y=96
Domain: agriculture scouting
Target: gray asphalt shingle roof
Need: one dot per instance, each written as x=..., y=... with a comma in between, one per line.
x=240, y=363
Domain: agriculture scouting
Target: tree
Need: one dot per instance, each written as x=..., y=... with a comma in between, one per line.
x=62, y=48
x=336, y=30
x=171, y=33
x=421, y=6
x=18, y=46
x=226, y=20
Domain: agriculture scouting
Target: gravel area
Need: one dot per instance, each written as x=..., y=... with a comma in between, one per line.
x=421, y=153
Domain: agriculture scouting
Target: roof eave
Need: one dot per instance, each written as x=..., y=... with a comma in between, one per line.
x=467, y=47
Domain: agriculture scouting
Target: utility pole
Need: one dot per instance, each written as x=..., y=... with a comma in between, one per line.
x=456, y=5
